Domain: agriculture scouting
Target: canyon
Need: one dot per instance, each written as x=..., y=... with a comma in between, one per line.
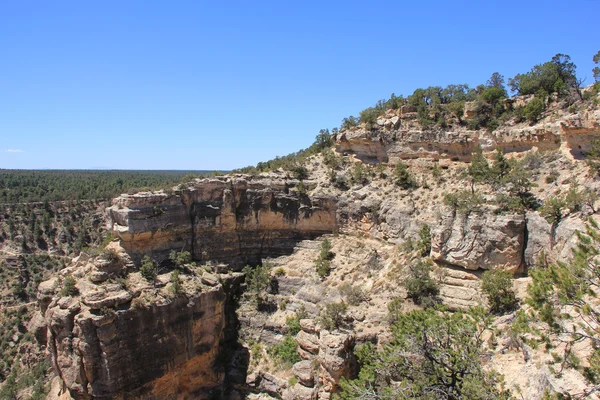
x=121, y=336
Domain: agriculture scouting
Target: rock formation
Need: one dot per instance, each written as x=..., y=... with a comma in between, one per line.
x=237, y=219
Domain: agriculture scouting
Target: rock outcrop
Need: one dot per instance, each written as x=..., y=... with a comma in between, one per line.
x=398, y=136
x=134, y=338
x=236, y=219
x=479, y=240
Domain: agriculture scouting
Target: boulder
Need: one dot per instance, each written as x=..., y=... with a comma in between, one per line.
x=304, y=372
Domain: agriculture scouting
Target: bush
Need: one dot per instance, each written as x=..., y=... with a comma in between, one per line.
x=258, y=283
x=497, y=286
x=394, y=310
x=402, y=176
x=68, y=286
x=359, y=175
x=464, y=201
x=420, y=287
x=286, y=352
x=323, y=262
x=534, y=109
x=293, y=323
x=428, y=350
x=332, y=317
x=180, y=258
x=148, y=269
x=175, y=287
x=424, y=244
x=353, y=294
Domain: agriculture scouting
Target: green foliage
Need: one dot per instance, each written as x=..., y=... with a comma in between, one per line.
x=563, y=297
x=68, y=286
x=148, y=269
x=555, y=76
x=180, y=258
x=420, y=287
x=534, y=109
x=402, y=177
x=176, y=287
x=258, y=283
x=596, y=70
x=395, y=308
x=464, y=201
x=18, y=186
x=501, y=167
x=593, y=156
x=424, y=243
x=294, y=162
x=479, y=169
x=432, y=355
x=293, y=323
x=359, y=174
x=332, y=317
x=323, y=262
x=497, y=286
x=552, y=210
x=285, y=352
x=354, y=295
x=349, y=123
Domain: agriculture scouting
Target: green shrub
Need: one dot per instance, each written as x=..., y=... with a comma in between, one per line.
x=354, y=295
x=534, y=109
x=394, y=310
x=148, y=269
x=402, y=177
x=293, y=323
x=359, y=175
x=180, y=258
x=497, y=286
x=323, y=262
x=285, y=352
x=424, y=244
x=258, y=283
x=464, y=201
x=176, y=287
x=332, y=317
x=68, y=286
x=420, y=287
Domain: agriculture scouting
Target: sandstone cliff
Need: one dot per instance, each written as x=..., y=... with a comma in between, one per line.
x=237, y=219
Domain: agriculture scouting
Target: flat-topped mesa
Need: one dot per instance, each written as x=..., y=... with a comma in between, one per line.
x=236, y=219
x=398, y=136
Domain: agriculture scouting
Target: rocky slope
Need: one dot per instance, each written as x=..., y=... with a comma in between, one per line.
x=123, y=337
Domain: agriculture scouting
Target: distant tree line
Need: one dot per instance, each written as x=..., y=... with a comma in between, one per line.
x=19, y=186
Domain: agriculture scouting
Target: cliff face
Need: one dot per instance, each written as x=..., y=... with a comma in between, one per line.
x=398, y=136
x=108, y=343
x=236, y=219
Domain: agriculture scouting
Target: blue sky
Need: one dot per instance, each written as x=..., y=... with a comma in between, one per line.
x=220, y=85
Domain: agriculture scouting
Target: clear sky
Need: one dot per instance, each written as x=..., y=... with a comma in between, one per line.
x=219, y=85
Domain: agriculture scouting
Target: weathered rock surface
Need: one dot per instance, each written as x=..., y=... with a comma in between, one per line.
x=161, y=351
x=235, y=219
x=398, y=137
x=479, y=240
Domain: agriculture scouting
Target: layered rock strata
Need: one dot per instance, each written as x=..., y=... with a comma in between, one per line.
x=398, y=136
x=236, y=219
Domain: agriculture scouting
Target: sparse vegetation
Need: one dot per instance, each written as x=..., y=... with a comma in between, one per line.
x=432, y=355
x=323, y=261
x=354, y=295
x=68, y=286
x=419, y=284
x=497, y=286
x=148, y=270
x=285, y=352
x=332, y=317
